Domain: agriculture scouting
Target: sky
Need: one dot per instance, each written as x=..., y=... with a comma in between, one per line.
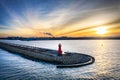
x=72, y=18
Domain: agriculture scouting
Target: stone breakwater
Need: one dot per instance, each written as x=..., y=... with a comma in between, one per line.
x=66, y=60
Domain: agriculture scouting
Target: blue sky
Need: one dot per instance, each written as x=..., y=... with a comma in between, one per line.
x=58, y=17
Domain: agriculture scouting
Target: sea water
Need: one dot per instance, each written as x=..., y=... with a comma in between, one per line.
x=106, y=66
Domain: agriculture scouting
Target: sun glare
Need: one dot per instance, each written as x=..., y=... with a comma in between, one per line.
x=101, y=30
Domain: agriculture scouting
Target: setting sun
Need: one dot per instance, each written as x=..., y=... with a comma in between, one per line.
x=101, y=30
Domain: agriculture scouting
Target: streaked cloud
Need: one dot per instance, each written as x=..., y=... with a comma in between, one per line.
x=65, y=18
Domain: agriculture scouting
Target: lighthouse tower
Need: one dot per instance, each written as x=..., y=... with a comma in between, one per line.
x=59, y=49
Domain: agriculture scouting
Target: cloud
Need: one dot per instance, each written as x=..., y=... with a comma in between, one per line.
x=49, y=34
x=64, y=18
x=3, y=27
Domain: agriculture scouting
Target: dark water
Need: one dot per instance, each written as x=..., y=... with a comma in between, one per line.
x=106, y=66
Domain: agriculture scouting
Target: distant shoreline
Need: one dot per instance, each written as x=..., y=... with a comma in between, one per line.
x=60, y=38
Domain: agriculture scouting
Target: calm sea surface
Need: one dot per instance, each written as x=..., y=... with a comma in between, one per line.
x=106, y=66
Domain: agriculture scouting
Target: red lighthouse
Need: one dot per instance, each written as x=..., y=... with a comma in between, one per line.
x=59, y=50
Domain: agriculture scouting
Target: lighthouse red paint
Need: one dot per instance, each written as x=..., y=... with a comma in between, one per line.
x=59, y=49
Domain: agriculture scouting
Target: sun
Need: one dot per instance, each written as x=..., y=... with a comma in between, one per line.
x=101, y=30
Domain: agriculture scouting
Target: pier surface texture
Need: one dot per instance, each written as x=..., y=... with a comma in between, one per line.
x=65, y=60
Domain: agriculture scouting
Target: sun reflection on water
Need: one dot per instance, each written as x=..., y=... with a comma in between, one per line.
x=103, y=59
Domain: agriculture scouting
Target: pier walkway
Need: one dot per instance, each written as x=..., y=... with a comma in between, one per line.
x=65, y=60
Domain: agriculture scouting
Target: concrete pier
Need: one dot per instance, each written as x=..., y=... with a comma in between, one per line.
x=65, y=60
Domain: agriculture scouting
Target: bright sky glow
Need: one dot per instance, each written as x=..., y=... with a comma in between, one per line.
x=101, y=30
